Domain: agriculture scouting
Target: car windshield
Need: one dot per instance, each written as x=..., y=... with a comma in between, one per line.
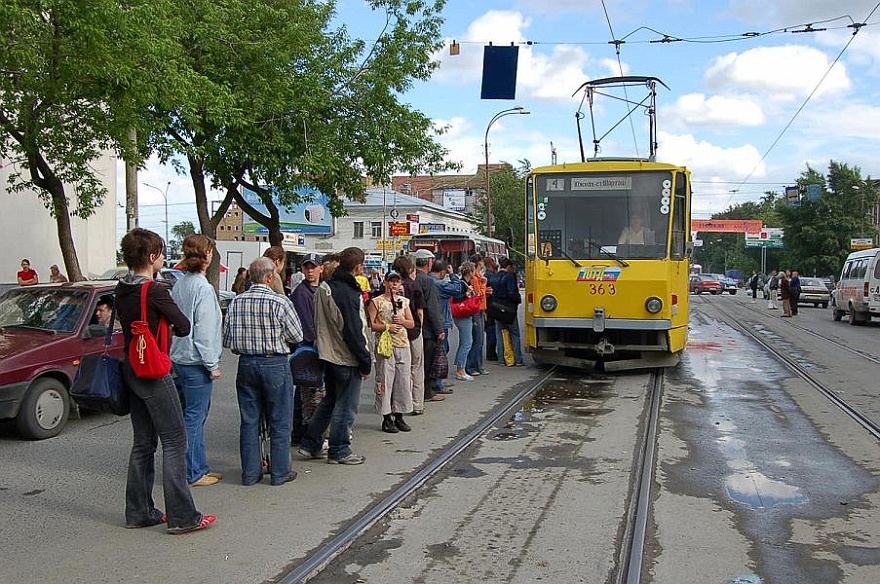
x=708, y=278
x=815, y=282
x=113, y=274
x=48, y=309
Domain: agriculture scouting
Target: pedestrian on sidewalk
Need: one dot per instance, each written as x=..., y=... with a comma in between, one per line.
x=261, y=325
x=772, y=287
x=753, y=286
x=196, y=357
x=795, y=284
x=390, y=312
x=342, y=341
x=404, y=266
x=785, y=293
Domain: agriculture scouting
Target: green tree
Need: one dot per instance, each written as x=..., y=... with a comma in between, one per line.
x=178, y=233
x=507, y=189
x=284, y=101
x=63, y=64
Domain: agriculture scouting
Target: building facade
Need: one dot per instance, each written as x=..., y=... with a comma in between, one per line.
x=28, y=231
x=380, y=225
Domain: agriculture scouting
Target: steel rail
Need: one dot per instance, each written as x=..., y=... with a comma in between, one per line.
x=866, y=423
x=327, y=552
x=644, y=476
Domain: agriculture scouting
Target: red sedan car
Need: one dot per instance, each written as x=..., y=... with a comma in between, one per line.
x=44, y=332
x=705, y=283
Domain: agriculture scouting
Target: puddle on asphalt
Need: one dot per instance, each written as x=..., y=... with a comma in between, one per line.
x=574, y=393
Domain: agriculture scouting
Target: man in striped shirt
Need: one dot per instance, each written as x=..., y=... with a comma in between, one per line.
x=260, y=327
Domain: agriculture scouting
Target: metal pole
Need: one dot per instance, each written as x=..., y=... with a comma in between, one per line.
x=166, y=214
x=514, y=110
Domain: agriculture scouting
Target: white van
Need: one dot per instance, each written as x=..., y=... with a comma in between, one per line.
x=857, y=294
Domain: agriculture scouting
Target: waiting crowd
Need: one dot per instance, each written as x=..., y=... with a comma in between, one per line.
x=336, y=322
x=784, y=286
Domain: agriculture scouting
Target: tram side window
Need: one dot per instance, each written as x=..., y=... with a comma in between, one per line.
x=530, y=217
x=679, y=217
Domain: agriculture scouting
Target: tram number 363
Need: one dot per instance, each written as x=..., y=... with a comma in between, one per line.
x=602, y=289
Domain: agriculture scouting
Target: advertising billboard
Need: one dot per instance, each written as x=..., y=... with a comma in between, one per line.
x=312, y=216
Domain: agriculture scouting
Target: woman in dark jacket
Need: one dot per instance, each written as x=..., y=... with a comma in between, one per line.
x=155, y=407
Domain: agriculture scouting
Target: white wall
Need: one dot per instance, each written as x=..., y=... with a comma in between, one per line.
x=28, y=231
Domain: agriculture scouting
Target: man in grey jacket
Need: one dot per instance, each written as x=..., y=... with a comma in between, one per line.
x=342, y=334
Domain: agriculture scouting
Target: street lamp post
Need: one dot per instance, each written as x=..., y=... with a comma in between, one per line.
x=514, y=110
x=165, y=197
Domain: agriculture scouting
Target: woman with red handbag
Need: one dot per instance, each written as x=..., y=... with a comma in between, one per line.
x=156, y=413
x=464, y=307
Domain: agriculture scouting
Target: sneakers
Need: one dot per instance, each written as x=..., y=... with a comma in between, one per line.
x=205, y=522
x=351, y=459
x=308, y=454
x=484, y=372
x=472, y=373
x=206, y=481
x=418, y=412
x=463, y=377
x=290, y=478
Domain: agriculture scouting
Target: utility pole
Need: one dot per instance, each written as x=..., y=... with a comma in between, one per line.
x=131, y=191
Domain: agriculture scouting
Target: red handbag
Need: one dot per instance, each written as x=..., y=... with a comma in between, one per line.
x=467, y=307
x=148, y=356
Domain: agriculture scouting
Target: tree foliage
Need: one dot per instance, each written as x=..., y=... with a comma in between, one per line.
x=178, y=233
x=507, y=189
x=282, y=100
x=817, y=232
x=62, y=64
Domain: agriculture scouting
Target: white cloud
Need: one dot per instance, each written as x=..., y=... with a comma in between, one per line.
x=706, y=159
x=695, y=109
x=780, y=73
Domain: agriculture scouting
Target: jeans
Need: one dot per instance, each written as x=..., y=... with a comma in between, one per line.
x=430, y=347
x=156, y=415
x=491, y=340
x=514, y=338
x=194, y=387
x=337, y=411
x=465, y=328
x=265, y=388
x=475, y=356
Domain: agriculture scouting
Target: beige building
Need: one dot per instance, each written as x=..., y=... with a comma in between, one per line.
x=28, y=231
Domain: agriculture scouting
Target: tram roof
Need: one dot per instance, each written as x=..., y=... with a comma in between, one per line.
x=608, y=164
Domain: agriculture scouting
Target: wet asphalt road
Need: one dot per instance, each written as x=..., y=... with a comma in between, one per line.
x=759, y=479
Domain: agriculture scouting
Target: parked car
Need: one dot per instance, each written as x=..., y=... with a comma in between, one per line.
x=813, y=291
x=705, y=283
x=116, y=273
x=728, y=285
x=44, y=332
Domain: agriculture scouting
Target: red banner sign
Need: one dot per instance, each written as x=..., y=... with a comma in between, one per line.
x=398, y=229
x=727, y=225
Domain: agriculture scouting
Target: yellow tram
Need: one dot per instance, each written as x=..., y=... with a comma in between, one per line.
x=608, y=242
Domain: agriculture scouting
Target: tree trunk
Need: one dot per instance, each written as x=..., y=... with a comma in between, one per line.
x=44, y=178
x=65, y=234
x=207, y=221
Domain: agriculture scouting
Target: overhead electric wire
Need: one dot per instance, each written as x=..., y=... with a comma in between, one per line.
x=802, y=106
x=616, y=44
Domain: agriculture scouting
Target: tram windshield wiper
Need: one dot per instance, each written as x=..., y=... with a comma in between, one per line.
x=612, y=255
x=574, y=261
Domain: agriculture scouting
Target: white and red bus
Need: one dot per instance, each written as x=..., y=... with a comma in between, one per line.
x=457, y=247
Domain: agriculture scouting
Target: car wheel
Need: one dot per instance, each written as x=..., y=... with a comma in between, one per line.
x=44, y=410
x=837, y=315
x=715, y=292
x=824, y=305
x=733, y=292
x=852, y=318
x=698, y=291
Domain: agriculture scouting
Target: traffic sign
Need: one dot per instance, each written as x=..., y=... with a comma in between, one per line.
x=769, y=237
x=861, y=243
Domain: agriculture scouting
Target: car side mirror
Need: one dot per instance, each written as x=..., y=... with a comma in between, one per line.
x=95, y=330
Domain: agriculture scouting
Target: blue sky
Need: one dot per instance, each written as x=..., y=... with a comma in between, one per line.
x=729, y=100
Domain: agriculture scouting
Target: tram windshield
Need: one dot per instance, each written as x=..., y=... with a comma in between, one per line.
x=595, y=215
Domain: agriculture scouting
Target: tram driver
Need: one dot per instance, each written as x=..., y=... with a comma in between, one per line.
x=635, y=233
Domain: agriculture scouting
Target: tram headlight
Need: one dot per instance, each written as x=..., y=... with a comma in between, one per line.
x=548, y=303
x=653, y=305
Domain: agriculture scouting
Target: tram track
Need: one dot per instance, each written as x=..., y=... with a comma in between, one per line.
x=643, y=479
x=325, y=554
x=869, y=425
